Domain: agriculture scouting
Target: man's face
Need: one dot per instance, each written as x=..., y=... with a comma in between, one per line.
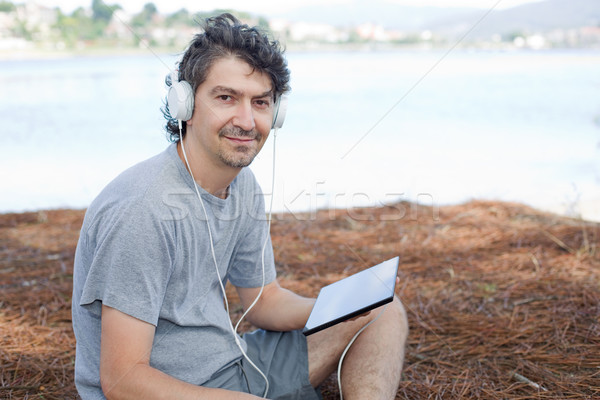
x=233, y=112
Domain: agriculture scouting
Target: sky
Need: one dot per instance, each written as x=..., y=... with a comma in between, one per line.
x=266, y=6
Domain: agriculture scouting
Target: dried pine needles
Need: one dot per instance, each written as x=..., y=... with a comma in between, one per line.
x=503, y=301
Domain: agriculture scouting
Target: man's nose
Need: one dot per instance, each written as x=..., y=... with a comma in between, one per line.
x=244, y=117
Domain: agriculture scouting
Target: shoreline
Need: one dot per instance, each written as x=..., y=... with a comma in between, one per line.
x=45, y=54
x=588, y=213
x=35, y=53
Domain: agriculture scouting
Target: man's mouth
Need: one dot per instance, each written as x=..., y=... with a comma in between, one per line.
x=240, y=139
x=239, y=136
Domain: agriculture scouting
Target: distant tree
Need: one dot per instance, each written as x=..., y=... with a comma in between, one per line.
x=263, y=23
x=354, y=37
x=150, y=9
x=511, y=36
x=242, y=15
x=79, y=26
x=145, y=16
x=181, y=17
x=7, y=6
x=101, y=11
x=20, y=30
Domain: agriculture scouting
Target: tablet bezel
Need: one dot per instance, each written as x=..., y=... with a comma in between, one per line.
x=356, y=312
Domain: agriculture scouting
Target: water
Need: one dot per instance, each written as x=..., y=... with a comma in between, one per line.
x=363, y=128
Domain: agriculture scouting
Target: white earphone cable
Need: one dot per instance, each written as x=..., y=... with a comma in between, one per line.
x=212, y=249
x=269, y=214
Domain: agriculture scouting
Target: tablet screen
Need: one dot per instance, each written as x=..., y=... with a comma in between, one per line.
x=353, y=296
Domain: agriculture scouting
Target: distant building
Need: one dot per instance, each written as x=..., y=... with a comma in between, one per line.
x=37, y=19
x=372, y=32
x=304, y=31
x=119, y=26
x=28, y=23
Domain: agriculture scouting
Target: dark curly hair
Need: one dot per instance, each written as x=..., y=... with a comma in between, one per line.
x=223, y=36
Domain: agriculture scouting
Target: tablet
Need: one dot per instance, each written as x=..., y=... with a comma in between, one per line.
x=354, y=295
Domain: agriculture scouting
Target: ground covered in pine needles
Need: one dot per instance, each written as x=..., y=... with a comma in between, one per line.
x=503, y=301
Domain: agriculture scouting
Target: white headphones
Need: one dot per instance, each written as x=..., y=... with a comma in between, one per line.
x=180, y=101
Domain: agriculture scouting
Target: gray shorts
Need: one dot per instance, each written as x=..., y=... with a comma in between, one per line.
x=281, y=356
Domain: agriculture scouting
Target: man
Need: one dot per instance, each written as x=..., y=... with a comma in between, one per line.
x=157, y=245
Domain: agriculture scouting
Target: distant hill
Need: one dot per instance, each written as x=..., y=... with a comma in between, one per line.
x=390, y=15
x=530, y=18
x=534, y=17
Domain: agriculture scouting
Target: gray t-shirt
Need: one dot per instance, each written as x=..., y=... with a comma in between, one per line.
x=144, y=250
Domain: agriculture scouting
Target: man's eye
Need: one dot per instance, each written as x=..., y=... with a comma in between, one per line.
x=262, y=103
x=225, y=97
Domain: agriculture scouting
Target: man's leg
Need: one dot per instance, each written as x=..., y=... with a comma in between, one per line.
x=371, y=369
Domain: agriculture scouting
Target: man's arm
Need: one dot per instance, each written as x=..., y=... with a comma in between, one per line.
x=125, y=371
x=278, y=309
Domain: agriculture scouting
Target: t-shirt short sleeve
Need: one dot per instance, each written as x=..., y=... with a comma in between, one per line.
x=131, y=263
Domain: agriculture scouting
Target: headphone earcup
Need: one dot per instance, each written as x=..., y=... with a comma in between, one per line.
x=181, y=100
x=279, y=112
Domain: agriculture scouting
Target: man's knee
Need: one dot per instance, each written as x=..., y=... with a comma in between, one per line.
x=397, y=313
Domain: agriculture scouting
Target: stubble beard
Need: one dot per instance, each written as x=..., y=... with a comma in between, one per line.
x=239, y=156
